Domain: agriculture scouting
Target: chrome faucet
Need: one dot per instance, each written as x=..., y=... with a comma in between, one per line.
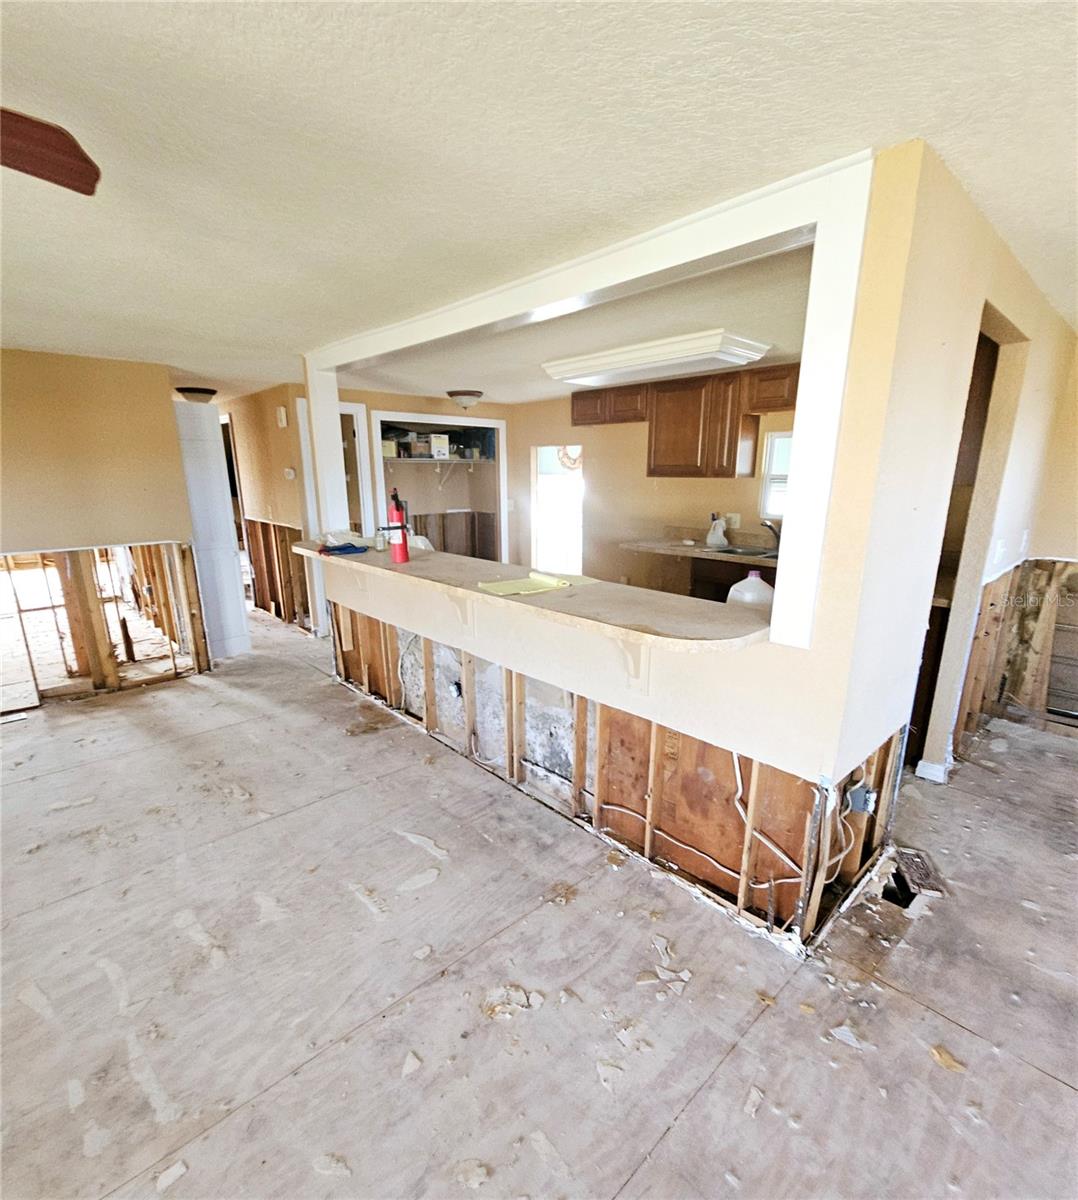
x=778, y=536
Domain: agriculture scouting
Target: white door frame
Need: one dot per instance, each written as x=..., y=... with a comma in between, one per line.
x=380, y=417
x=358, y=413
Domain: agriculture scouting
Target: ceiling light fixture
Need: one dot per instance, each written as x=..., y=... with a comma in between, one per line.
x=465, y=397
x=688, y=354
x=200, y=395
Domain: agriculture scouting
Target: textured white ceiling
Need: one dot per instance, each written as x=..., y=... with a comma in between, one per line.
x=764, y=300
x=277, y=176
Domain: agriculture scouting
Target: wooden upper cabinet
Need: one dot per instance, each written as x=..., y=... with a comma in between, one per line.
x=589, y=407
x=698, y=427
x=629, y=403
x=680, y=427
x=770, y=389
x=611, y=406
x=724, y=425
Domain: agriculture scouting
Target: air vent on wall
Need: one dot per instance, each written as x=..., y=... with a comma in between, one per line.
x=688, y=354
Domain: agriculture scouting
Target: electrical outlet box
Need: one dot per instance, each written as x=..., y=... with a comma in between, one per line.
x=861, y=799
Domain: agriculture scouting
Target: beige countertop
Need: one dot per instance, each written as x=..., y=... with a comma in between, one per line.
x=700, y=550
x=632, y=613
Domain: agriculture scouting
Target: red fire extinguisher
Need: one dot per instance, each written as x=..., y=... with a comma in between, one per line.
x=397, y=529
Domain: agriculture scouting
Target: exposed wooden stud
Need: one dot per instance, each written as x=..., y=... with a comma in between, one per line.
x=580, y=754
x=751, y=803
x=654, y=784
x=192, y=602
x=430, y=696
x=891, y=764
x=602, y=758
x=519, y=725
x=507, y=714
x=104, y=671
x=818, y=861
x=858, y=824
x=467, y=688
x=69, y=590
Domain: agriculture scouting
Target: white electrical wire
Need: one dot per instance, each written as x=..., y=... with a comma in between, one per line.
x=483, y=762
x=760, y=837
x=693, y=850
x=627, y=811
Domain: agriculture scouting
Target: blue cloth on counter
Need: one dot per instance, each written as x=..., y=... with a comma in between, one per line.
x=347, y=548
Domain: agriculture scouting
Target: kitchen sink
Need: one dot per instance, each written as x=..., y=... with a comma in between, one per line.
x=748, y=551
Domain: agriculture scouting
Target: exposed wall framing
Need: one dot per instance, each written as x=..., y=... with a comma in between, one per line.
x=778, y=850
x=99, y=619
x=1023, y=662
x=280, y=582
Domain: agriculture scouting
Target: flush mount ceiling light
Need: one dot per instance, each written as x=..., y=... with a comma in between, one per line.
x=201, y=395
x=465, y=397
x=689, y=354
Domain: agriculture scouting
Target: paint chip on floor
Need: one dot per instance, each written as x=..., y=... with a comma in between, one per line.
x=946, y=1059
x=332, y=1164
x=169, y=1176
x=471, y=1173
x=424, y=843
x=424, y=879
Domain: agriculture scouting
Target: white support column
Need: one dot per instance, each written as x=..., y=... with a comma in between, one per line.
x=220, y=581
x=325, y=489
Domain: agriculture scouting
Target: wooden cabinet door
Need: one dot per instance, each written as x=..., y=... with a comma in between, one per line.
x=724, y=422
x=678, y=426
x=771, y=389
x=589, y=408
x=627, y=403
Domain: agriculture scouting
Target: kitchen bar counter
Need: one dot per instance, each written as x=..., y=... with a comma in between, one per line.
x=629, y=614
x=676, y=549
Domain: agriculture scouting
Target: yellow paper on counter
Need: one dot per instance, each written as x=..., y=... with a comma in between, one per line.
x=536, y=582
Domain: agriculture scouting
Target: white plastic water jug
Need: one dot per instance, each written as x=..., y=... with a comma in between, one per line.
x=753, y=591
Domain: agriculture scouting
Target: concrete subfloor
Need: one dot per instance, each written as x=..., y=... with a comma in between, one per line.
x=262, y=940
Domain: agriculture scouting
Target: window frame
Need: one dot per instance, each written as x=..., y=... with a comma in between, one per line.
x=768, y=476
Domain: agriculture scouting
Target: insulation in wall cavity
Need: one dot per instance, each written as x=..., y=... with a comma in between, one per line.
x=548, y=742
x=448, y=688
x=489, y=714
x=413, y=687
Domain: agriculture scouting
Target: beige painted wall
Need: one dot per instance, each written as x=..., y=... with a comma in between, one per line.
x=621, y=504
x=90, y=454
x=955, y=264
x=1055, y=523
x=264, y=452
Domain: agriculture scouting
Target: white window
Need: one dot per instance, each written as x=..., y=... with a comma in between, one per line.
x=776, y=472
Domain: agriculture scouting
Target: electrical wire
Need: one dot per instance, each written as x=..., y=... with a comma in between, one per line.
x=474, y=753
x=760, y=837
x=693, y=850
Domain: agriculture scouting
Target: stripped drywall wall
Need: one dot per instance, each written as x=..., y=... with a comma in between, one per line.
x=91, y=453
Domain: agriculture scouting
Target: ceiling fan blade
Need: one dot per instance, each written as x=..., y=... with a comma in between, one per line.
x=46, y=152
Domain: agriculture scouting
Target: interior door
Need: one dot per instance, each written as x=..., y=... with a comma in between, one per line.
x=679, y=415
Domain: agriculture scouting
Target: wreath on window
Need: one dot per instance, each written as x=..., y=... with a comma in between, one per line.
x=571, y=462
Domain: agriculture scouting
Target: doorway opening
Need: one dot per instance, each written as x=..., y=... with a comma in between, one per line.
x=558, y=509
x=452, y=476
x=962, y=486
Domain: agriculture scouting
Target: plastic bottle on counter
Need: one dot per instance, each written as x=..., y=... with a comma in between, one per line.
x=753, y=592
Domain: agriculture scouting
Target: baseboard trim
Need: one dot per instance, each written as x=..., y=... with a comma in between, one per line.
x=933, y=772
